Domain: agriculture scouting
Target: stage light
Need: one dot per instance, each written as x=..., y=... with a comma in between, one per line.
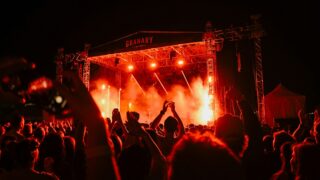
x=130, y=67
x=153, y=65
x=180, y=62
x=210, y=79
x=103, y=86
x=130, y=106
x=33, y=66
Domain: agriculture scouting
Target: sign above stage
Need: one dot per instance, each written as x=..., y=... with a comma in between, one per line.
x=144, y=40
x=138, y=41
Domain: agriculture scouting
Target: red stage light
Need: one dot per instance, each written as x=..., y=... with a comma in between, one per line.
x=153, y=65
x=33, y=65
x=130, y=67
x=180, y=62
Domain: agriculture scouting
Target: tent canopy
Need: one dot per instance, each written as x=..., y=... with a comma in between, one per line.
x=282, y=103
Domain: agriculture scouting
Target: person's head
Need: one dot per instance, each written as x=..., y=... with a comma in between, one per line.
x=267, y=143
x=17, y=122
x=170, y=124
x=305, y=161
x=198, y=156
x=8, y=152
x=27, y=130
x=52, y=152
x=131, y=117
x=230, y=130
x=39, y=134
x=280, y=138
x=27, y=152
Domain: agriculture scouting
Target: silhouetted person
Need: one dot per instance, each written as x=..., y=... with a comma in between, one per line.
x=285, y=172
x=230, y=130
x=27, y=154
x=305, y=161
x=172, y=124
x=52, y=156
x=203, y=157
x=17, y=125
x=39, y=134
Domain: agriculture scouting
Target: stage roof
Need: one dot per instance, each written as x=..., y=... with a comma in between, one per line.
x=144, y=47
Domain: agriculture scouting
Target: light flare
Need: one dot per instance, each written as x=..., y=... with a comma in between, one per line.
x=153, y=65
x=130, y=67
x=103, y=86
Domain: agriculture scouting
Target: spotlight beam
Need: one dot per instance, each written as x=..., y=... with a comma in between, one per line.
x=155, y=74
x=135, y=80
x=185, y=78
x=119, y=99
x=108, y=102
x=176, y=50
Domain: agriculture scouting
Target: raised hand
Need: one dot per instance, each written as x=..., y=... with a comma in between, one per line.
x=172, y=107
x=165, y=106
x=302, y=116
x=100, y=158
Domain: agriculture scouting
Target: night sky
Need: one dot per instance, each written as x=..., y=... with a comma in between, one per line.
x=35, y=29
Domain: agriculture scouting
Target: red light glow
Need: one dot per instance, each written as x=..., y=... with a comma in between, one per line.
x=40, y=84
x=153, y=65
x=103, y=86
x=130, y=67
x=180, y=62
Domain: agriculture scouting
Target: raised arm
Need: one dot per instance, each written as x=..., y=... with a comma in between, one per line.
x=101, y=162
x=304, y=127
x=180, y=123
x=158, y=164
x=154, y=124
x=116, y=117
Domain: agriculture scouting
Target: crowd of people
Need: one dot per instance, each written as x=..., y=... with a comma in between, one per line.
x=90, y=147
